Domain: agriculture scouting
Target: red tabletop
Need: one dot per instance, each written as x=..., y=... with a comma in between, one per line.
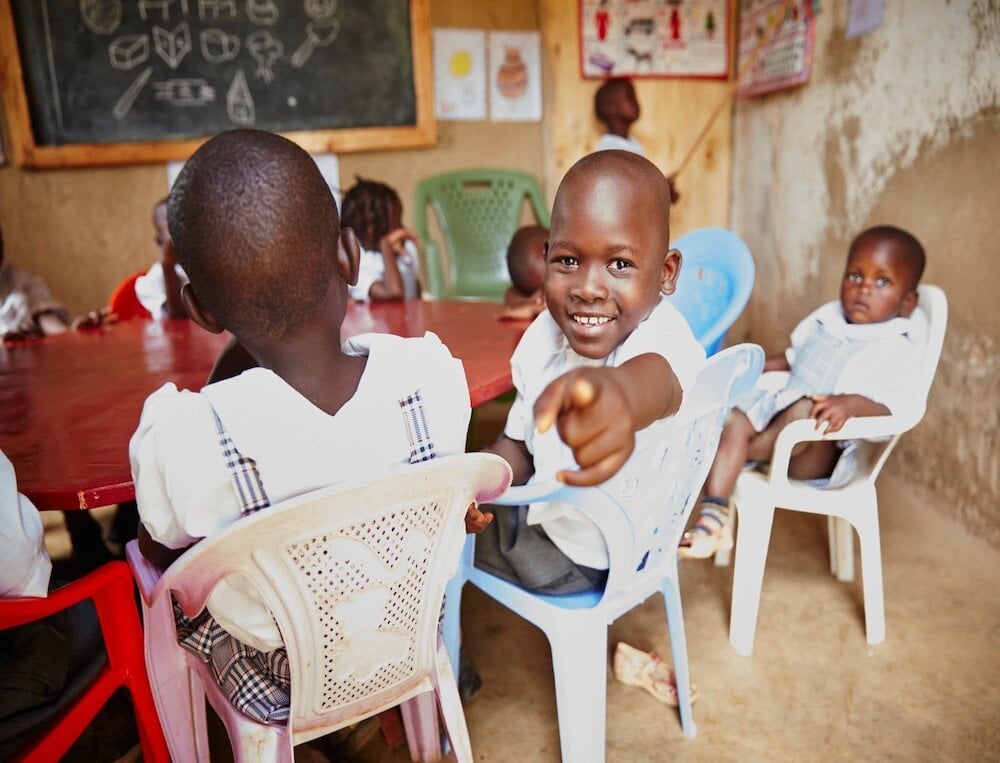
x=70, y=403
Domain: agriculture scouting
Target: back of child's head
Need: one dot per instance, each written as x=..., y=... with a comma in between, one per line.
x=526, y=259
x=908, y=253
x=610, y=98
x=256, y=229
x=371, y=209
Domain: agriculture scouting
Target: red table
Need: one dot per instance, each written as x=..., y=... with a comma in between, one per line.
x=70, y=403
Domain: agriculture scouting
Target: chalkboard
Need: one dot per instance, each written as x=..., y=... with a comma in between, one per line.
x=108, y=74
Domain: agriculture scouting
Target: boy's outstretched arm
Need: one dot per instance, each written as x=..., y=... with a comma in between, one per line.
x=599, y=410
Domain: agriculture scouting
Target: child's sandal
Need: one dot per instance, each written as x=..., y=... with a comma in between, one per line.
x=713, y=532
x=647, y=671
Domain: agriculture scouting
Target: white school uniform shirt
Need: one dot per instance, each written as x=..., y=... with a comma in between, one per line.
x=883, y=370
x=151, y=290
x=371, y=268
x=611, y=141
x=183, y=487
x=24, y=562
x=542, y=355
x=22, y=297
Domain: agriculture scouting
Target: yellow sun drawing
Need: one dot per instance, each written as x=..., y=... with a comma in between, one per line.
x=460, y=63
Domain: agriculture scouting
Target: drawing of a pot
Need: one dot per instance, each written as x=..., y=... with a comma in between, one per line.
x=512, y=79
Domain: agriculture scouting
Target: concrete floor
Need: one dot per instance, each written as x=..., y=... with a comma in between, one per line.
x=814, y=689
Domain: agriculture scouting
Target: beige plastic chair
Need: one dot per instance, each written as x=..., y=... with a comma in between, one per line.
x=856, y=504
x=354, y=575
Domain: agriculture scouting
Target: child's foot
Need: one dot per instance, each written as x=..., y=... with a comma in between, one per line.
x=711, y=533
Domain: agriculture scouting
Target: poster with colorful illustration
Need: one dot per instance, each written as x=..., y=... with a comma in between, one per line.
x=782, y=58
x=515, y=77
x=460, y=74
x=654, y=38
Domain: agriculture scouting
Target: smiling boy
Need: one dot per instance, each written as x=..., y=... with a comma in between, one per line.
x=606, y=361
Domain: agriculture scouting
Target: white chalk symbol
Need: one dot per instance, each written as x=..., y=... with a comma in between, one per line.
x=101, y=16
x=320, y=11
x=184, y=92
x=160, y=6
x=217, y=9
x=128, y=51
x=239, y=102
x=263, y=12
x=317, y=36
x=128, y=97
x=172, y=46
x=218, y=47
x=265, y=49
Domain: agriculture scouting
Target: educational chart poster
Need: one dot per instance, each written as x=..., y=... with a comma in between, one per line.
x=515, y=77
x=460, y=74
x=654, y=38
x=782, y=59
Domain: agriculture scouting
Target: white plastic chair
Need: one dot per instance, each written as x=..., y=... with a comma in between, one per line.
x=757, y=494
x=354, y=575
x=642, y=511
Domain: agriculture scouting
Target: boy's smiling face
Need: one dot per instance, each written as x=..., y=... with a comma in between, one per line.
x=607, y=259
x=877, y=283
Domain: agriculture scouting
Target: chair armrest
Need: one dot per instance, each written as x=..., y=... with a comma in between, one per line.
x=519, y=495
x=772, y=381
x=146, y=574
x=102, y=585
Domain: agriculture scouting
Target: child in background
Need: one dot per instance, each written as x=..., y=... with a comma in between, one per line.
x=596, y=371
x=388, y=268
x=314, y=412
x=159, y=291
x=851, y=357
x=526, y=264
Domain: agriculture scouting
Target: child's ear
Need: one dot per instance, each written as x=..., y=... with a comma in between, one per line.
x=196, y=312
x=908, y=304
x=671, y=269
x=348, y=256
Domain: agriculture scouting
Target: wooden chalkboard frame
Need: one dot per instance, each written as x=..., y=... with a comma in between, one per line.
x=25, y=152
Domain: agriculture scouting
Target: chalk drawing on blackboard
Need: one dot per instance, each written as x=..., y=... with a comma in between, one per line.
x=101, y=16
x=173, y=45
x=217, y=9
x=189, y=91
x=263, y=12
x=128, y=51
x=266, y=50
x=320, y=11
x=239, y=102
x=128, y=97
x=317, y=36
x=218, y=47
x=162, y=6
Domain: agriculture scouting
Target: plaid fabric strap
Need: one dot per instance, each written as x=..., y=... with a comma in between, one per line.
x=242, y=472
x=419, y=434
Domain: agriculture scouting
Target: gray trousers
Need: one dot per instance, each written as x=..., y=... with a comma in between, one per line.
x=520, y=553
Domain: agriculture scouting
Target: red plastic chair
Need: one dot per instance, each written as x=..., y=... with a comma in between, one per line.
x=112, y=590
x=123, y=301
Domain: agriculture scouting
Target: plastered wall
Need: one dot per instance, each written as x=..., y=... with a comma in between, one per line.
x=901, y=126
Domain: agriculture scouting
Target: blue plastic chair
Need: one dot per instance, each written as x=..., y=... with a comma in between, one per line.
x=642, y=512
x=715, y=283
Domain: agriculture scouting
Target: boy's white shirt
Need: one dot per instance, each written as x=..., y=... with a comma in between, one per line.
x=884, y=369
x=151, y=289
x=24, y=563
x=610, y=141
x=183, y=487
x=542, y=355
x=371, y=268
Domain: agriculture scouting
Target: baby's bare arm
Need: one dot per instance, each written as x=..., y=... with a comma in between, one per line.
x=777, y=362
x=835, y=410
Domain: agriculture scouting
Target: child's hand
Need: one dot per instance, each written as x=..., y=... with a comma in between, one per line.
x=835, y=410
x=476, y=520
x=394, y=242
x=523, y=312
x=593, y=417
x=95, y=319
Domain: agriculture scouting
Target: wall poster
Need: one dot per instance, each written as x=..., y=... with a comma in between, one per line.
x=654, y=38
x=781, y=59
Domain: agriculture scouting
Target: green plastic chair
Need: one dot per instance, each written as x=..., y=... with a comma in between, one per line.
x=478, y=211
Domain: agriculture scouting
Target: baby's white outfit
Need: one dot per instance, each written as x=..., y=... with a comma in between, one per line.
x=151, y=290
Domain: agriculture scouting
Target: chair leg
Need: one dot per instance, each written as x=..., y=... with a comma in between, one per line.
x=748, y=573
x=678, y=649
x=450, y=703
x=831, y=537
x=451, y=627
x=845, y=549
x=871, y=578
x=422, y=733
x=581, y=690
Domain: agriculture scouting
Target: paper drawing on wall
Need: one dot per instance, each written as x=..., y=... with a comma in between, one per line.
x=263, y=12
x=128, y=97
x=101, y=16
x=213, y=10
x=460, y=73
x=172, y=45
x=317, y=36
x=512, y=79
x=184, y=92
x=239, y=102
x=218, y=46
x=161, y=8
x=785, y=57
x=515, y=76
x=128, y=51
x=266, y=50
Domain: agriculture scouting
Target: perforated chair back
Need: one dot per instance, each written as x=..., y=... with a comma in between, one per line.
x=715, y=283
x=123, y=301
x=354, y=575
x=478, y=212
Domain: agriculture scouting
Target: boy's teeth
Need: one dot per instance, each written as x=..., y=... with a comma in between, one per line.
x=590, y=320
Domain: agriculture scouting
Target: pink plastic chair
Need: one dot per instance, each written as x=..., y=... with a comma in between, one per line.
x=355, y=576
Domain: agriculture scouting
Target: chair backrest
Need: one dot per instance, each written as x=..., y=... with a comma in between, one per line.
x=123, y=301
x=354, y=575
x=930, y=319
x=478, y=212
x=715, y=283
